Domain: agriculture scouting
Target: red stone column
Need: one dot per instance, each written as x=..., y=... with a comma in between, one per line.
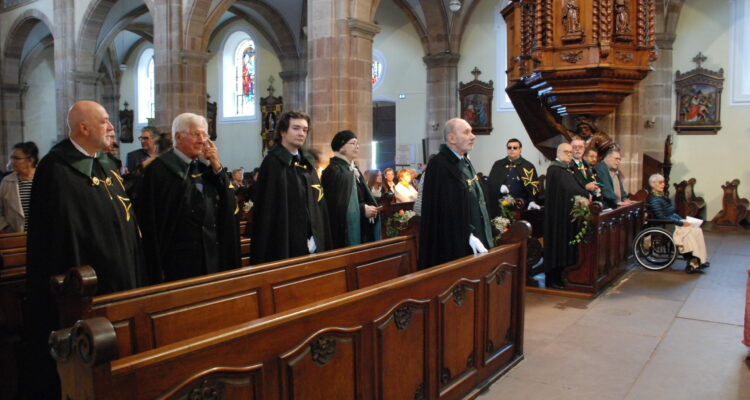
x=294, y=84
x=340, y=93
x=442, y=96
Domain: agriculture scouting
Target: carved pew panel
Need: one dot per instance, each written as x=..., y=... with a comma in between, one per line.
x=158, y=315
x=392, y=340
x=685, y=201
x=734, y=209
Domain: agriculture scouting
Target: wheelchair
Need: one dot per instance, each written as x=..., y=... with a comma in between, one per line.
x=654, y=247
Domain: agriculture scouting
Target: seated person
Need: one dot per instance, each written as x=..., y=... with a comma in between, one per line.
x=613, y=191
x=404, y=191
x=689, y=239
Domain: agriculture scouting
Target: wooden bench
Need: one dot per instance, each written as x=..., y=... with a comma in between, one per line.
x=685, y=201
x=154, y=316
x=447, y=331
x=12, y=291
x=734, y=209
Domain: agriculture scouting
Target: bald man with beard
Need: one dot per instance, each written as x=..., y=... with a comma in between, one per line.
x=79, y=215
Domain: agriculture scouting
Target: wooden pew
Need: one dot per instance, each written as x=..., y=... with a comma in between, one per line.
x=12, y=292
x=734, y=209
x=608, y=243
x=447, y=331
x=685, y=201
x=154, y=316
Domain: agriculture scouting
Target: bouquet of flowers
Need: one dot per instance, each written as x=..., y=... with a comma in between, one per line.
x=501, y=224
x=398, y=222
x=582, y=215
x=506, y=202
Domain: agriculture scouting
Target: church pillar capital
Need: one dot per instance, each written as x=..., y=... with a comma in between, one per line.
x=362, y=29
x=193, y=57
x=442, y=60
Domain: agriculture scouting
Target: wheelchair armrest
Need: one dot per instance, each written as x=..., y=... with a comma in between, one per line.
x=661, y=221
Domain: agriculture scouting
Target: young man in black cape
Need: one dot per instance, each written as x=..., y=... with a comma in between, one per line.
x=290, y=217
x=79, y=215
x=352, y=209
x=558, y=230
x=454, y=219
x=514, y=176
x=187, y=207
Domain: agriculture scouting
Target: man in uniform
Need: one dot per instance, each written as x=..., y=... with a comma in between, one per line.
x=352, y=209
x=187, y=207
x=290, y=216
x=562, y=185
x=79, y=215
x=514, y=176
x=454, y=220
x=583, y=172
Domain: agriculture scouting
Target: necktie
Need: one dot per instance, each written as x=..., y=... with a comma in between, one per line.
x=196, y=176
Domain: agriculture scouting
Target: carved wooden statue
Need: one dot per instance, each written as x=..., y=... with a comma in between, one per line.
x=734, y=210
x=686, y=203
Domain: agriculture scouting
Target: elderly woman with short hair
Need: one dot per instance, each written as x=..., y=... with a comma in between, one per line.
x=689, y=239
x=15, y=189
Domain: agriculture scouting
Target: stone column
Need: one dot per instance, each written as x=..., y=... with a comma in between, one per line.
x=340, y=95
x=442, y=96
x=13, y=117
x=85, y=85
x=295, y=88
x=65, y=63
x=180, y=67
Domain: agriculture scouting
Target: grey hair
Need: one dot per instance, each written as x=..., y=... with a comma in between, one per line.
x=449, y=127
x=184, y=121
x=653, y=178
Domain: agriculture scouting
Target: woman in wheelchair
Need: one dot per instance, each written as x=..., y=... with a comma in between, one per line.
x=688, y=238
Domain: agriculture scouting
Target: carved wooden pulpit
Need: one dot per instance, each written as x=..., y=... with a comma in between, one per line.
x=577, y=59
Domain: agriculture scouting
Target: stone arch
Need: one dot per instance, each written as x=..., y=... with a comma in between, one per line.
x=198, y=20
x=88, y=34
x=119, y=27
x=11, y=90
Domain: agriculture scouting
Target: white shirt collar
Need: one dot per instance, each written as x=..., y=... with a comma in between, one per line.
x=81, y=149
x=187, y=159
x=460, y=157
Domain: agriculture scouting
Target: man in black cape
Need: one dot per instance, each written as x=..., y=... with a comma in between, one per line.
x=79, y=215
x=187, y=207
x=352, y=209
x=290, y=217
x=582, y=170
x=558, y=229
x=513, y=176
x=454, y=220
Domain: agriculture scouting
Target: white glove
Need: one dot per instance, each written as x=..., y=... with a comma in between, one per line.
x=504, y=189
x=476, y=244
x=533, y=206
x=311, y=245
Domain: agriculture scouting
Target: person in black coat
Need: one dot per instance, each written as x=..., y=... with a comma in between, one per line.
x=561, y=186
x=454, y=221
x=79, y=215
x=514, y=176
x=187, y=207
x=290, y=215
x=352, y=210
x=135, y=158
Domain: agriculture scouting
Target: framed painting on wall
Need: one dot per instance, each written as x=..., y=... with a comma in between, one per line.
x=476, y=103
x=699, y=100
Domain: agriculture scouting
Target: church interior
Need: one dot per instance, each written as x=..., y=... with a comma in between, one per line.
x=392, y=71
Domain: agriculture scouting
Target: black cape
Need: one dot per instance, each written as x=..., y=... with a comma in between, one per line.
x=162, y=204
x=561, y=186
x=444, y=227
x=79, y=215
x=285, y=214
x=337, y=183
x=498, y=176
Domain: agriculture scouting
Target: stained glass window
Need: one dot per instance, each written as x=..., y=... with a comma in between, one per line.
x=239, y=71
x=146, y=83
x=378, y=68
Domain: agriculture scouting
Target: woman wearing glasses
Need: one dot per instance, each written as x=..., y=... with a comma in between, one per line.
x=15, y=189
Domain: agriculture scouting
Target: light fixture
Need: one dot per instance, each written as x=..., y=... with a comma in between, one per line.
x=454, y=5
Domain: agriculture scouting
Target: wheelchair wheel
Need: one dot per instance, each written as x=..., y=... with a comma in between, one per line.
x=655, y=249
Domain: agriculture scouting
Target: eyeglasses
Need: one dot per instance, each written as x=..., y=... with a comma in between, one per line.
x=513, y=147
x=142, y=138
x=354, y=143
x=196, y=135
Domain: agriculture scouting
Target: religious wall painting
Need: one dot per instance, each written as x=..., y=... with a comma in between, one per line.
x=476, y=103
x=126, y=124
x=270, y=111
x=698, y=100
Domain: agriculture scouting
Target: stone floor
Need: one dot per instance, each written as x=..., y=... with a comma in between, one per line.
x=654, y=335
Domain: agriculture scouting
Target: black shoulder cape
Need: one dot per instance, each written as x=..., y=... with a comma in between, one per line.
x=498, y=174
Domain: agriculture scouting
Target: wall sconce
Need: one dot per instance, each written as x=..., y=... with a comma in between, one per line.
x=454, y=5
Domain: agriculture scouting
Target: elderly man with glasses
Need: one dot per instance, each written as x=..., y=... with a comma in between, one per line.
x=513, y=176
x=187, y=207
